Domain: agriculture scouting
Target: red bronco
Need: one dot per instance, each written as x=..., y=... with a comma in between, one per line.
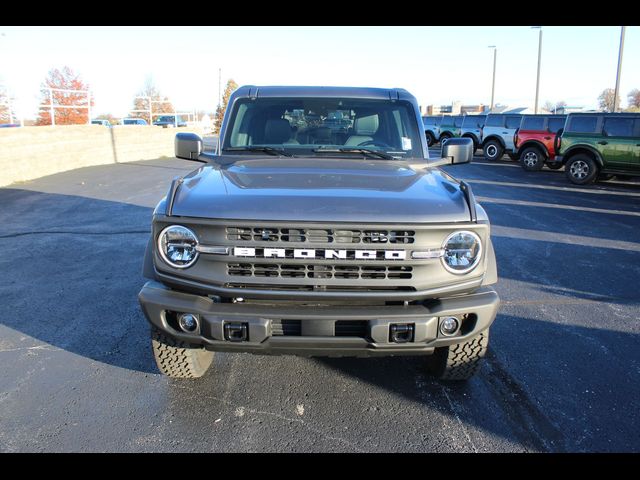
x=535, y=141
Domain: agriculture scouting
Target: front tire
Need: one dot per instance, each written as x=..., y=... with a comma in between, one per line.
x=431, y=139
x=178, y=359
x=493, y=150
x=461, y=361
x=532, y=159
x=581, y=169
x=444, y=138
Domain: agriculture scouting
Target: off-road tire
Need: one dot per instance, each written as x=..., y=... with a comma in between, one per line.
x=532, y=159
x=430, y=139
x=178, y=359
x=460, y=361
x=555, y=166
x=492, y=150
x=444, y=137
x=581, y=169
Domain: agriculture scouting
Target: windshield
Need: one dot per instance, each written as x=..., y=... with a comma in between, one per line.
x=323, y=126
x=165, y=119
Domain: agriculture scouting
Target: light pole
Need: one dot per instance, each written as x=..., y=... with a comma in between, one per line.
x=535, y=108
x=493, y=83
x=615, y=95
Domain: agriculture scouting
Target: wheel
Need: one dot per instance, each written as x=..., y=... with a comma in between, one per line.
x=460, y=361
x=554, y=166
x=178, y=359
x=492, y=150
x=430, y=139
x=444, y=138
x=581, y=169
x=532, y=159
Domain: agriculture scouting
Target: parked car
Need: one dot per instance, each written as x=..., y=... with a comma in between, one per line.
x=498, y=135
x=450, y=127
x=9, y=125
x=134, y=121
x=535, y=141
x=594, y=145
x=432, y=128
x=100, y=121
x=244, y=248
x=472, y=128
x=170, y=121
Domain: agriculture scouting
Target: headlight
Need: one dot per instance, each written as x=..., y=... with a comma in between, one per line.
x=177, y=246
x=462, y=252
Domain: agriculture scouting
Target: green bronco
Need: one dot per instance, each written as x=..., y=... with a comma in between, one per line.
x=594, y=145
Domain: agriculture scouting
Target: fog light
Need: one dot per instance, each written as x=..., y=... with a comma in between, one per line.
x=188, y=322
x=449, y=326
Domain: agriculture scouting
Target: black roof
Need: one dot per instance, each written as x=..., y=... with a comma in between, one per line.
x=318, y=91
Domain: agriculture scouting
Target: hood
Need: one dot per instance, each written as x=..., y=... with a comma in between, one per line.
x=321, y=189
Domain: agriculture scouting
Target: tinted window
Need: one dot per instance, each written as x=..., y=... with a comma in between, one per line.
x=457, y=121
x=473, y=121
x=556, y=124
x=532, y=123
x=513, y=121
x=495, y=121
x=618, y=127
x=583, y=124
x=302, y=125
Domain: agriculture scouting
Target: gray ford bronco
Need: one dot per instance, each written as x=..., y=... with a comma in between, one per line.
x=320, y=227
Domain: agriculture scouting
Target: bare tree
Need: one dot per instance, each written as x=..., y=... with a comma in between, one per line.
x=155, y=101
x=605, y=100
x=633, y=98
x=7, y=113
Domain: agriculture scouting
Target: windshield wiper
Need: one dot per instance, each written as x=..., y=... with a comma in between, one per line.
x=368, y=151
x=270, y=150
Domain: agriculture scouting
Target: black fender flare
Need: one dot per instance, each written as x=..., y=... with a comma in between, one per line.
x=574, y=149
x=533, y=143
x=494, y=137
x=148, y=270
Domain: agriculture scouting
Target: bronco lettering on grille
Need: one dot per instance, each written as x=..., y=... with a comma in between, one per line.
x=311, y=253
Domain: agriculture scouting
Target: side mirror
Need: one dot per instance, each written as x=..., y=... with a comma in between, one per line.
x=458, y=150
x=188, y=146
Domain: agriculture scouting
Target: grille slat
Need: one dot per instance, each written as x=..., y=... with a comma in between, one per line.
x=319, y=271
x=315, y=235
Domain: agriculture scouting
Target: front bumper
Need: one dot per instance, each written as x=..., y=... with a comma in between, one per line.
x=318, y=333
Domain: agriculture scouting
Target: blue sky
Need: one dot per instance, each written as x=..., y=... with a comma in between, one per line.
x=437, y=64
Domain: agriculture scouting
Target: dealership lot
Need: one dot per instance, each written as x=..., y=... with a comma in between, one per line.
x=562, y=374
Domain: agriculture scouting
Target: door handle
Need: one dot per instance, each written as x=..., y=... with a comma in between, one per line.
x=603, y=143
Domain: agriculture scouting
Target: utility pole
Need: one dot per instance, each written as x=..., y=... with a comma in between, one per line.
x=493, y=83
x=535, y=108
x=615, y=95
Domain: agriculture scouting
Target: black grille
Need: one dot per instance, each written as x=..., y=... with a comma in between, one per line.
x=353, y=272
x=286, y=328
x=304, y=235
x=351, y=328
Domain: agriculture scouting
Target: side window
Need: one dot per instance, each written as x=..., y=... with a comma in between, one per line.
x=513, y=122
x=586, y=124
x=618, y=127
x=555, y=124
x=438, y=121
x=494, y=121
x=532, y=123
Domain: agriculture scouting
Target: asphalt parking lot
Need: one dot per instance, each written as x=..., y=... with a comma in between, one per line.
x=562, y=374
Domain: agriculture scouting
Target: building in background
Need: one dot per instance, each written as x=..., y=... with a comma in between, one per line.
x=456, y=108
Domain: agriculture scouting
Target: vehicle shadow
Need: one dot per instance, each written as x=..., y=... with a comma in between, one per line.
x=71, y=271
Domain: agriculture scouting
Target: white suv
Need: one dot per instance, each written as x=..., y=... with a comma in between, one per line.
x=498, y=135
